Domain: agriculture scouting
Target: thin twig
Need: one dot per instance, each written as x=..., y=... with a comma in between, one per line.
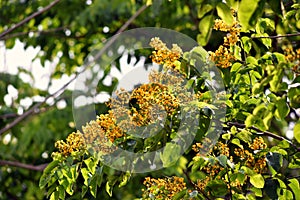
x=27, y=19
x=266, y=133
x=23, y=165
x=59, y=92
x=36, y=31
x=277, y=36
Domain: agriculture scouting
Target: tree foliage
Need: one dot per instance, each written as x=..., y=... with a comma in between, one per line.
x=254, y=44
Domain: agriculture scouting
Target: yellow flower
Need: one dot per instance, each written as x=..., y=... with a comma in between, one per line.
x=74, y=142
x=224, y=55
x=164, y=55
x=165, y=188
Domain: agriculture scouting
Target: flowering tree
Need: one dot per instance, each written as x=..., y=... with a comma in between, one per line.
x=254, y=47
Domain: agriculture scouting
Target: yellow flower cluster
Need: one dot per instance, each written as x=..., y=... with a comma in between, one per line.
x=163, y=189
x=290, y=54
x=201, y=184
x=99, y=135
x=213, y=170
x=293, y=57
x=224, y=55
x=151, y=98
x=222, y=148
x=107, y=122
x=74, y=142
x=164, y=55
x=239, y=155
x=258, y=144
x=147, y=103
x=150, y=102
x=96, y=138
x=257, y=164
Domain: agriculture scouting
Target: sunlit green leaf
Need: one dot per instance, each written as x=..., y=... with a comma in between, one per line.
x=297, y=132
x=245, y=12
x=257, y=180
x=224, y=13
x=294, y=185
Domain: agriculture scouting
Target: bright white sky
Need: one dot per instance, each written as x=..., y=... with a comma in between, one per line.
x=11, y=59
x=17, y=57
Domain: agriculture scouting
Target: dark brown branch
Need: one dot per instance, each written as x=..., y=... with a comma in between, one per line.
x=60, y=91
x=265, y=133
x=27, y=19
x=23, y=165
x=8, y=115
x=36, y=31
x=277, y=36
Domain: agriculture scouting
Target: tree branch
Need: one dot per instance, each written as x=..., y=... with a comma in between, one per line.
x=277, y=36
x=27, y=19
x=265, y=133
x=23, y=165
x=8, y=115
x=60, y=91
x=37, y=31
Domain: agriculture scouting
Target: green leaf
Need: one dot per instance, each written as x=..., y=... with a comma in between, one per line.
x=237, y=142
x=250, y=120
x=204, y=10
x=205, y=27
x=199, y=52
x=244, y=135
x=197, y=163
x=251, y=60
x=224, y=13
x=294, y=185
x=257, y=180
x=54, y=196
x=91, y=164
x=294, y=97
x=201, y=104
x=110, y=185
x=245, y=12
x=217, y=188
x=257, y=191
x=222, y=160
x=62, y=192
x=263, y=25
x=282, y=109
x=51, y=166
x=247, y=171
x=93, y=186
x=297, y=131
x=44, y=180
x=235, y=67
x=125, y=179
x=179, y=195
x=84, y=190
x=170, y=154
x=226, y=136
x=247, y=44
x=86, y=175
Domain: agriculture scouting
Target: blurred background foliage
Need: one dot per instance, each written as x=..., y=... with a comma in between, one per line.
x=71, y=29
